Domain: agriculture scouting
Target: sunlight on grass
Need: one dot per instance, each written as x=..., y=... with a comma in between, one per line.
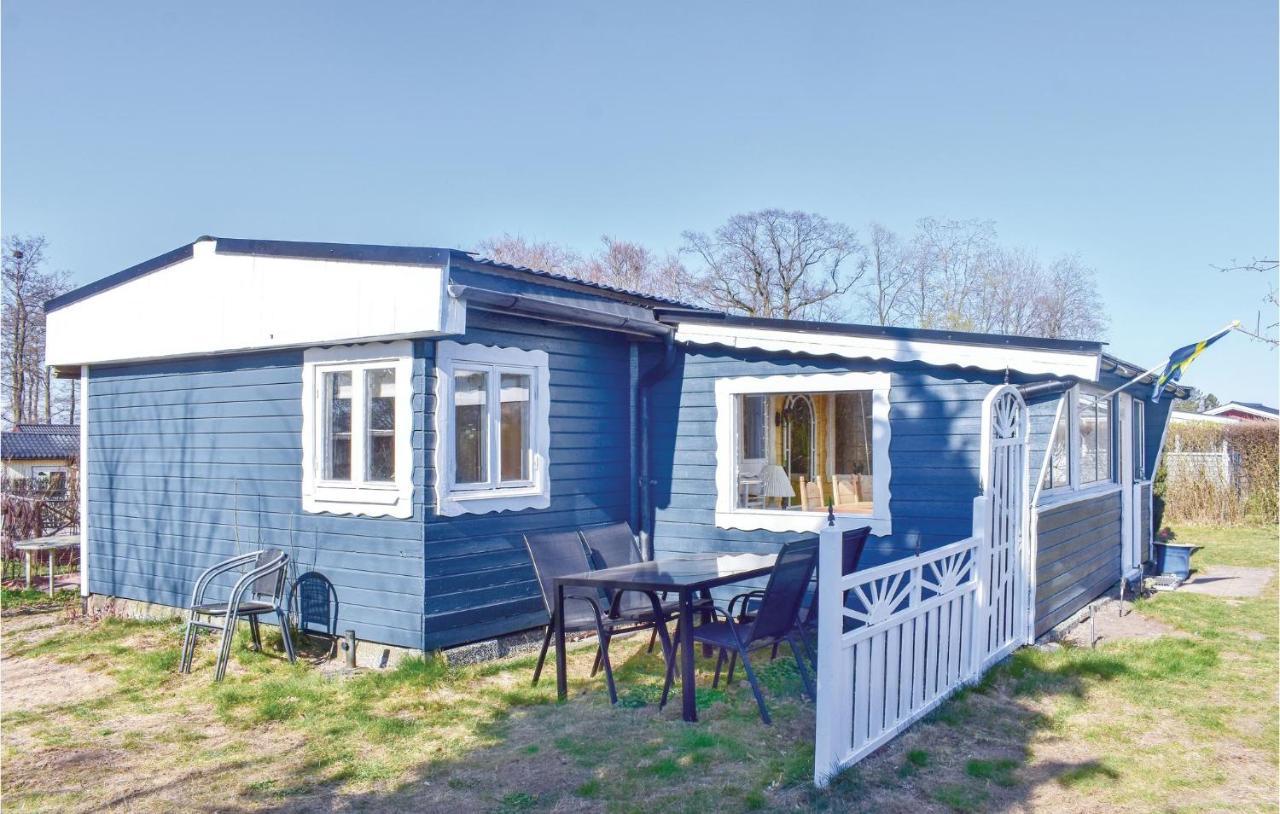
x=1134, y=720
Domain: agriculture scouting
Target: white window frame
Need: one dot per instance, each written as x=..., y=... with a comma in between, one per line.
x=1069, y=411
x=357, y=497
x=728, y=515
x=494, y=496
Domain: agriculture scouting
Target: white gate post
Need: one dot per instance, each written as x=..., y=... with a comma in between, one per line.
x=830, y=744
x=982, y=573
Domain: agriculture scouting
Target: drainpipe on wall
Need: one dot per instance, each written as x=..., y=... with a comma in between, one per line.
x=647, y=483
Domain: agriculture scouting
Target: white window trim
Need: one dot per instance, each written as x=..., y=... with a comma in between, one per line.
x=392, y=499
x=1069, y=411
x=727, y=513
x=452, y=500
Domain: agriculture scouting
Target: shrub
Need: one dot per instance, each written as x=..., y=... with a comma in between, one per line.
x=1215, y=473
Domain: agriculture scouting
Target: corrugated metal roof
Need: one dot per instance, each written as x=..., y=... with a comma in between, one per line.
x=34, y=441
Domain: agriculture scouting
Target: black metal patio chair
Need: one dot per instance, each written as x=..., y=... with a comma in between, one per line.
x=558, y=553
x=852, y=544
x=259, y=590
x=614, y=544
x=775, y=621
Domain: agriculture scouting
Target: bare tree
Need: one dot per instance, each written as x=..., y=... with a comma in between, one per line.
x=1069, y=304
x=1263, y=331
x=29, y=389
x=518, y=250
x=623, y=264
x=950, y=266
x=889, y=267
x=771, y=263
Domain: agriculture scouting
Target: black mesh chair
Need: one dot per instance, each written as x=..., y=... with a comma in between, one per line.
x=852, y=544
x=259, y=590
x=315, y=603
x=614, y=544
x=559, y=553
x=775, y=621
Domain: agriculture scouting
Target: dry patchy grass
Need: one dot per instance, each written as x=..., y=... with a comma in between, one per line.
x=96, y=717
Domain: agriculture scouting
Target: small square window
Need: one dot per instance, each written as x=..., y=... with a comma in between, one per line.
x=498, y=409
x=357, y=425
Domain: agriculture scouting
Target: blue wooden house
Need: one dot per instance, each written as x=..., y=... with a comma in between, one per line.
x=396, y=418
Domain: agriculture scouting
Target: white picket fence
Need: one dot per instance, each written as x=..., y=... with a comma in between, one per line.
x=912, y=634
x=894, y=641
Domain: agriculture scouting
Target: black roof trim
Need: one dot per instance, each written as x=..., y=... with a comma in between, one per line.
x=878, y=331
x=485, y=264
x=361, y=252
x=113, y=280
x=1130, y=370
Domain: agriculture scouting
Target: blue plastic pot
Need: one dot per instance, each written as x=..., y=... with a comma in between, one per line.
x=1174, y=559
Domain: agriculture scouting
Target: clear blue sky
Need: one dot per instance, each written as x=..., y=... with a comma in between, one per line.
x=1141, y=135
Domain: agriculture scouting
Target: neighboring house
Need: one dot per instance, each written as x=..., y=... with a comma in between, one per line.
x=1187, y=417
x=397, y=418
x=1245, y=411
x=41, y=454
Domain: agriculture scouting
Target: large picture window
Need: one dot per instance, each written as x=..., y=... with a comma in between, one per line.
x=790, y=447
x=357, y=425
x=493, y=416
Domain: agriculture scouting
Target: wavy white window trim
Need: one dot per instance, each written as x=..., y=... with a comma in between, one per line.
x=452, y=500
x=394, y=499
x=729, y=516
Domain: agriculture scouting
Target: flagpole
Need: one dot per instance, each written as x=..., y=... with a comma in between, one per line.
x=1235, y=323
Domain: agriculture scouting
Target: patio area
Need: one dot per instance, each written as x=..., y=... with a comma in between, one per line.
x=97, y=716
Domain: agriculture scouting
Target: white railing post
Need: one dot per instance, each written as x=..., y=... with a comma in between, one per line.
x=981, y=573
x=830, y=744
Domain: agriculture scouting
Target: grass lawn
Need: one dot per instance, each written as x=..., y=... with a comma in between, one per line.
x=95, y=716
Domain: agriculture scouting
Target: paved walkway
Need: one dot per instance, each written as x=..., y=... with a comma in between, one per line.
x=1228, y=580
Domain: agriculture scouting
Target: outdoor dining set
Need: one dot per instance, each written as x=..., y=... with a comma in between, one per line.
x=596, y=580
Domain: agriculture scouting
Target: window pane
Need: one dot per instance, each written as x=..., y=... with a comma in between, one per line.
x=1095, y=439
x=337, y=396
x=820, y=451
x=754, y=429
x=1103, y=440
x=1139, y=441
x=380, y=386
x=515, y=389
x=1059, y=471
x=470, y=413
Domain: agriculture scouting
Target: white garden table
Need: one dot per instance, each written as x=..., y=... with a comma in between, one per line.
x=52, y=544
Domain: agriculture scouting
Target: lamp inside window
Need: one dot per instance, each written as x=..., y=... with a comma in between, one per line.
x=805, y=451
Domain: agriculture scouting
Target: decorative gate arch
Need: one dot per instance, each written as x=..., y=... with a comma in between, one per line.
x=1005, y=560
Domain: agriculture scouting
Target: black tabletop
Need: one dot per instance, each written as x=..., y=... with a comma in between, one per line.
x=689, y=572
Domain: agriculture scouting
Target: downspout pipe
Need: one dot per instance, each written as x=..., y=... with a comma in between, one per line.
x=647, y=482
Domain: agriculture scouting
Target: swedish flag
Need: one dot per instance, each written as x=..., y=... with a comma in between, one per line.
x=1182, y=358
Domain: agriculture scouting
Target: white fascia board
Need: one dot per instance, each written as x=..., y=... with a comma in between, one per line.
x=1031, y=361
x=1183, y=417
x=215, y=303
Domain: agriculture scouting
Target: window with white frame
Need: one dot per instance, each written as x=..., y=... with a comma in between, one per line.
x=1081, y=452
x=357, y=431
x=789, y=447
x=492, y=429
x=1139, y=440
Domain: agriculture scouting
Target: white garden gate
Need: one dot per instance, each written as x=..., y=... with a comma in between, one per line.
x=895, y=640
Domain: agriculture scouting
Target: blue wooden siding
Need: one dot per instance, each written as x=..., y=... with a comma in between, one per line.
x=1078, y=556
x=184, y=457
x=935, y=444
x=480, y=581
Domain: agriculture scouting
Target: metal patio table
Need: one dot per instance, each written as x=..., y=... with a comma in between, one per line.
x=685, y=576
x=52, y=544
